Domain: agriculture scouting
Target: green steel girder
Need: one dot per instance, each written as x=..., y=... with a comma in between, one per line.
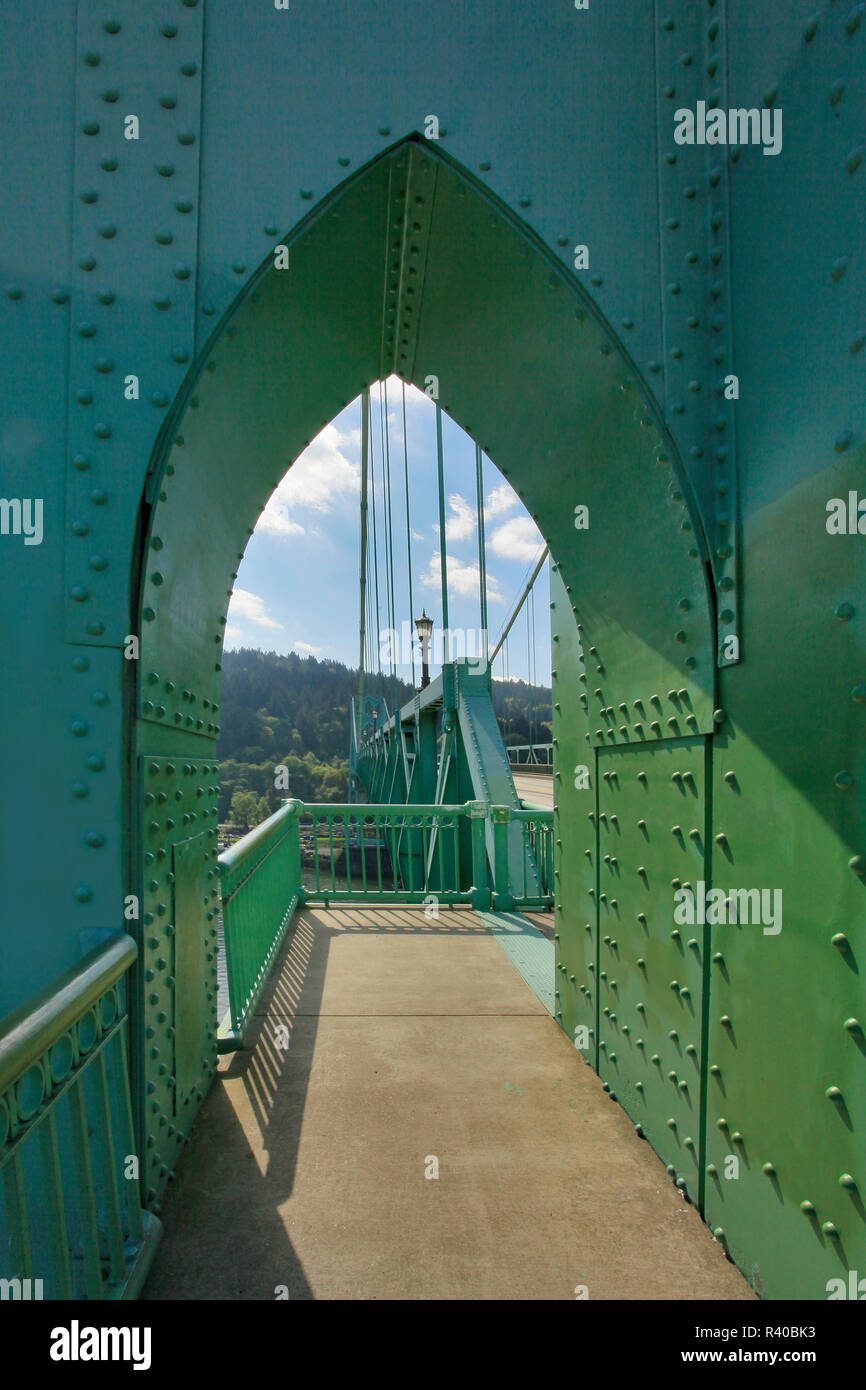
x=652, y=841
x=153, y=258
x=575, y=814
x=456, y=711
x=176, y=1002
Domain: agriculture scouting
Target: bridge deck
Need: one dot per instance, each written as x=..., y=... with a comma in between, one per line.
x=408, y=1039
x=536, y=787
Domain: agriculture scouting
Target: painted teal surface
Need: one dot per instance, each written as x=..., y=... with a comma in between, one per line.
x=529, y=950
x=602, y=387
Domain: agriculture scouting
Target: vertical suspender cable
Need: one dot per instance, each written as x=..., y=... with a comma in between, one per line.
x=443, y=566
x=390, y=547
x=376, y=566
x=482, y=558
x=365, y=441
x=408, y=534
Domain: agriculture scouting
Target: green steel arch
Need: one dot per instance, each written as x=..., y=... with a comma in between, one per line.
x=601, y=381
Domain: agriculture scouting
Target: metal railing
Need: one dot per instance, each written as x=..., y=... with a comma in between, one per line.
x=537, y=830
x=364, y=853
x=530, y=754
x=260, y=880
x=392, y=853
x=71, y=1223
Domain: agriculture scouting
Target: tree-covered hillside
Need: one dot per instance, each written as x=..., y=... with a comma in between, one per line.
x=294, y=711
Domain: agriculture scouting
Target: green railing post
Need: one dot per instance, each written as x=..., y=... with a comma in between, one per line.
x=503, y=899
x=480, y=892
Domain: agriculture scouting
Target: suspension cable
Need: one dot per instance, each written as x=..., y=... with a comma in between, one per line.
x=365, y=440
x=408, y=535
x=443, y=564
x=482, y=557
x=376, y=563
x=389, y=538
x=505, y=631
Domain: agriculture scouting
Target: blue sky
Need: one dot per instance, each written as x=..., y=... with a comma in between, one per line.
x=297, y=586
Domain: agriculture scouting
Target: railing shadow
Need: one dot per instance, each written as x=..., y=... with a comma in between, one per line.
x=224, y=1235
x=221, y=1211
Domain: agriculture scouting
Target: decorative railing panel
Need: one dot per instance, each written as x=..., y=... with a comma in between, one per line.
x=71, y=1223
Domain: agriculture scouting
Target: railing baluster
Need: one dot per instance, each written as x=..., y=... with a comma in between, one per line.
x=440, y=837
x=347, y=854
x=377, y=822
x=131, y=1189
x=394, y=864
x=316, y=852
x=109, y=1168
x=16, y=1207
x=86, y=1193
x=60, y=1262
x=409, y=841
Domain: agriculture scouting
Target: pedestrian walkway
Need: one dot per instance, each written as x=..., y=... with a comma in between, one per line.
x=389, y=1048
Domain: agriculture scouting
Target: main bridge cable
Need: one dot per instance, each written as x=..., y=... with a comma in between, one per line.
x=523, y=597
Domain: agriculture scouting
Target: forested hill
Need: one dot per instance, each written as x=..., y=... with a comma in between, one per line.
x=294, y=710
x=273, y=705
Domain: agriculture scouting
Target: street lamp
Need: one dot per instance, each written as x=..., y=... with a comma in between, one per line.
x=424, y=627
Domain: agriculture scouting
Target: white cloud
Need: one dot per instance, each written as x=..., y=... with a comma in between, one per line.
x=233, y=634
x=305, y=647
x=275, y=519
x=321, y=478
x=250, y=608
x=463, y=578
x=499, y=500
x=518, y=539
x=460, y=525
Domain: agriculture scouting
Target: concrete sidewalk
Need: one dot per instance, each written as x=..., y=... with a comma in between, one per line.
x=412, y=1041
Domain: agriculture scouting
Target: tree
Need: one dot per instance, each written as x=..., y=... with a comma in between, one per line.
x=244, y=808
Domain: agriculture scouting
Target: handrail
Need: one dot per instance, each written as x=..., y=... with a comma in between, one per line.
x=232, y=857
x=28, y=1032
